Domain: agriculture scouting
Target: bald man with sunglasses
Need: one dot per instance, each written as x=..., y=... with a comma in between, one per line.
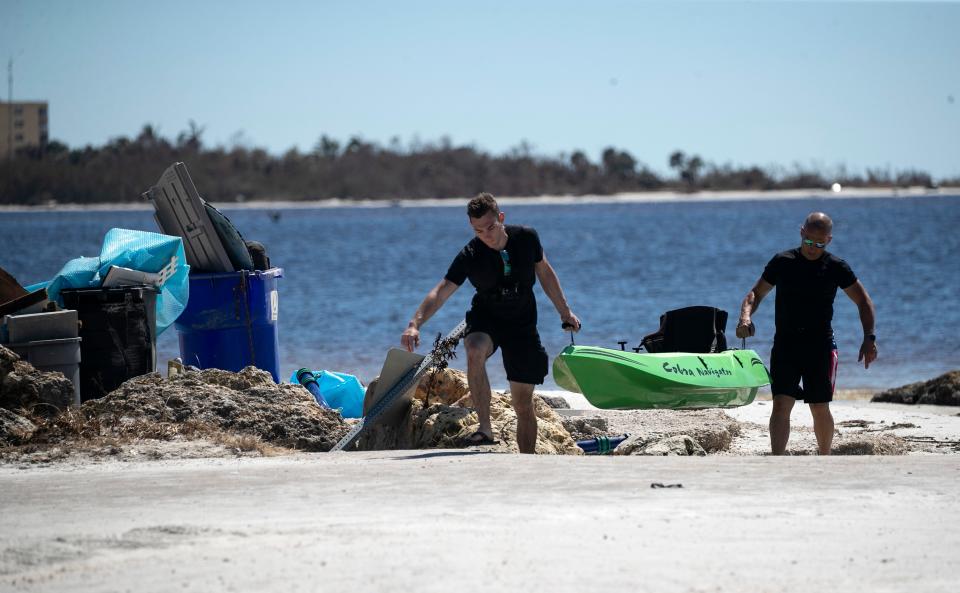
x=804, y=350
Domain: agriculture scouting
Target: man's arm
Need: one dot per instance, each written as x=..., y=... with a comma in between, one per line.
x=551, y=286
x=868, y=349
x=761, y=289
x=435, y=299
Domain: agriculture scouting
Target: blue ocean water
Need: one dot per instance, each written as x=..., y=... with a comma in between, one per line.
x=353, y=276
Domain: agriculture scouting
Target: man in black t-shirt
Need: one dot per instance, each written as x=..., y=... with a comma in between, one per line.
x=502, y=262
x=807, y=279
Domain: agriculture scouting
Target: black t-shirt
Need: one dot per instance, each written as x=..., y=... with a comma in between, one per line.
x=499, y=293
x=806, y=290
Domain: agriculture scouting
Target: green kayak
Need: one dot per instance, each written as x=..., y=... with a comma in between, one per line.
x=618, y=380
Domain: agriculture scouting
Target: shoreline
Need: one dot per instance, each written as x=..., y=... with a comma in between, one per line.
x=653, y=197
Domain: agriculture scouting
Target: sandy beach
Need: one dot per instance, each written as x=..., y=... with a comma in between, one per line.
x=468, y=521
x=200, y=481
x=439, y=520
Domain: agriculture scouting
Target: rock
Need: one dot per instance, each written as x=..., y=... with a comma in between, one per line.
x=942, y=391
x=14, y=428
x=445, y=387
x=675, y=445
x=554, y=401
x=713, y=430
x=245, y=403
x=450, y=418
x=585, y=427
x=23, y=386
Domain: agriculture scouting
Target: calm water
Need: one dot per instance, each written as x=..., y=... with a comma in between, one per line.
x=353, y=276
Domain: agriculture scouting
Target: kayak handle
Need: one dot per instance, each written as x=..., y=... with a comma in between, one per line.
x=570, y=327
x=623, y=345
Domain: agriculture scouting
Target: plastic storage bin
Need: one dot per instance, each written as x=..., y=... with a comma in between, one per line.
x=231, y=321
x=62, y=355
x=40, y=326
x=119, y=331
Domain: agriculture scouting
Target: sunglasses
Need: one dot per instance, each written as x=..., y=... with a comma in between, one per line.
x=809, y=242
x=506, y=262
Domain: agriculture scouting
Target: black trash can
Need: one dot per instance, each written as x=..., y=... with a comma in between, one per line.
x=119, y=330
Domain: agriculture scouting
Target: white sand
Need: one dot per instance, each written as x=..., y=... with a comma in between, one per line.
x=932, y=424
x=636, y=197
x=443, y=521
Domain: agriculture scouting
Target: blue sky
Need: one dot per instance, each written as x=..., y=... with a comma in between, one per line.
x=857, y=84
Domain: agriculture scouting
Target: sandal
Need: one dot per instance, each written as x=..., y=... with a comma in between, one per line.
x=478, y=438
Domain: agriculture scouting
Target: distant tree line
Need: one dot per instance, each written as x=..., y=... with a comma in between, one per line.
x=122, y=169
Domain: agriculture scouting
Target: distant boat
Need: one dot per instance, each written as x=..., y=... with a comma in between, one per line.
x=618, y=380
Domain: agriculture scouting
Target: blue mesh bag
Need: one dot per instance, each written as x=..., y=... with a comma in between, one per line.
x=137, y=250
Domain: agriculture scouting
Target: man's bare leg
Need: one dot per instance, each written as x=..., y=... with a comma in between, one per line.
x=522, y=396
x=780, y=423
x=479, y=348
x=822, y=426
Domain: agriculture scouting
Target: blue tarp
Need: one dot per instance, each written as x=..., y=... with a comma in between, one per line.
x=137, y=250
x=341, y=391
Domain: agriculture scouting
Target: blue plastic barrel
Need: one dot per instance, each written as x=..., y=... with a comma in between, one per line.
x=231, y=321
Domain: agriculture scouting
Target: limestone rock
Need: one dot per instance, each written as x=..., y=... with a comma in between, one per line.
x=942, y=391
x=713, y=430
x=23, y=386
x=450, y=418
x=676, y=445
x=586, y=427
x=446, y=387
x=14, y=428
x=555, y=401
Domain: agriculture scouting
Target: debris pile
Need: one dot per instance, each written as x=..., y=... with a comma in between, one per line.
x=248, y=403
x=24, y=387
x=243, y=411
x=450, y=418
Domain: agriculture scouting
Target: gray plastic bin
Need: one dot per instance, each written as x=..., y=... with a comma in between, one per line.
x=41, y=326
x=61, y=355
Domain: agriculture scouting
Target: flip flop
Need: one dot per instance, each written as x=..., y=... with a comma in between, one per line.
x=478, y=438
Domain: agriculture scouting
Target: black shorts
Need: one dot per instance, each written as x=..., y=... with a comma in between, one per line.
x=810, y=361
x=524, y=358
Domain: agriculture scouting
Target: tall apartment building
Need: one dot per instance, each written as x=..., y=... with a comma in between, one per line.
x=22, y=124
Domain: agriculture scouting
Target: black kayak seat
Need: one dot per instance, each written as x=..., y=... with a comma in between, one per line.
x=690, y=329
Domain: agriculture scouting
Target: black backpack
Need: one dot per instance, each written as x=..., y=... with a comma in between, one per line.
x=691, y=329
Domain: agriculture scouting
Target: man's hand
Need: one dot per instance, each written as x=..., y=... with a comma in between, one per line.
x=746, y=329
x=868, y=352
x=572, y=320
x=410, y=338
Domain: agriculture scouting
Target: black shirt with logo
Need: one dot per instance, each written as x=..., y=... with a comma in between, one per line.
x=806, y=290
x=504, y=279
